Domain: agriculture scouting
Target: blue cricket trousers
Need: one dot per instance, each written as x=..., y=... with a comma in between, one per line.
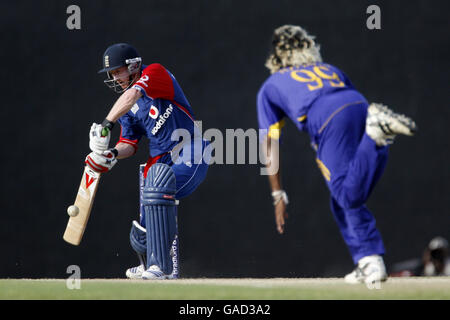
x=351, y=164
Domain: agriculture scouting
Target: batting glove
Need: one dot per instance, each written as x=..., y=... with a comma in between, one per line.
x=102, y=162
x=97, y=142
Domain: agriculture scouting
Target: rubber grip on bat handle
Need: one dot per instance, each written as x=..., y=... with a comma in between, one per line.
x=105, y=131
x=107, y=126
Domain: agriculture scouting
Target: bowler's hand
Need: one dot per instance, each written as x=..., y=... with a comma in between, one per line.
x=280, y=216
x=280, y=201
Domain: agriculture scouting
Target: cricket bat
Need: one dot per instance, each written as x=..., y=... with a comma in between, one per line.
x=83, y=202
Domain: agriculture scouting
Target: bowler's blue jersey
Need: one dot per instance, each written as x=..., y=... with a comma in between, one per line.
x=162, y=109
x=291, y=92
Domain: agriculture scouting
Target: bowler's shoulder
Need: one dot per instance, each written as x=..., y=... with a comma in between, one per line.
x=270, y=84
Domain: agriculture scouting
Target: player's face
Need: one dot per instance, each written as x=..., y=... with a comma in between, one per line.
x=122, y=76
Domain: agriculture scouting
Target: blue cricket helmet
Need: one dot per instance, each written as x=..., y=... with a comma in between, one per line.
x=120, y=55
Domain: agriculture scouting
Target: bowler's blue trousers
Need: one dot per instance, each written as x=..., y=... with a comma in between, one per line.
x=351, y=164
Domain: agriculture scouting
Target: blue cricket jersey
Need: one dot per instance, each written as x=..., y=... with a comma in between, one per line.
x=292, y=92
x=162, y=109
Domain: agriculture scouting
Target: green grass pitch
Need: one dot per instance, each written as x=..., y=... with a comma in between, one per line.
x=226, y=289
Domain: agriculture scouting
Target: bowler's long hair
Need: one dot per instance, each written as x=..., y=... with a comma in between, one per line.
x=292, y=46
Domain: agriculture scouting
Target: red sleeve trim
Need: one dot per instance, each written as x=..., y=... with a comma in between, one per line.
x=127, y=141
x=133, y=142
x=134, y=145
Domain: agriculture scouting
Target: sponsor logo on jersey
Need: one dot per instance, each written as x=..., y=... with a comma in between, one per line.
x=162, y=119
x=154, y=112
x=135, y=108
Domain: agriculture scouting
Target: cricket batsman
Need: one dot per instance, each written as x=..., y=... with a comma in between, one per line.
x=350, y=137
x=151, y=105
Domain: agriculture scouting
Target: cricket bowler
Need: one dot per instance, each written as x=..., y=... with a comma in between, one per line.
x=351, y=139
x=152, y=105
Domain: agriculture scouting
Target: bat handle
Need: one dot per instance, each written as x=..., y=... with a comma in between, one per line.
x=105, y=131
x=107, y=126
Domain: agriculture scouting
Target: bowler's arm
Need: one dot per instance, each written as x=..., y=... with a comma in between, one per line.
x=272, y=153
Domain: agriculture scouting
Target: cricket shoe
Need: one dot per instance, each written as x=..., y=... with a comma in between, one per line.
x=370, y=269
x=136, y=272
x=155, y=273
x=382, y=124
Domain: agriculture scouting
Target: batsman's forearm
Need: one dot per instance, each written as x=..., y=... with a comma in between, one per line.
x=123, y=104
x=124, y=150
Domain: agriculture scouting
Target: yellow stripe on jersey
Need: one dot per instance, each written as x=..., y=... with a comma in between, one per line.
x=324, y=170
x=275, y=129
x=302, y=118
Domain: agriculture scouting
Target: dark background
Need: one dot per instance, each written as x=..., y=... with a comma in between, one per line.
x=216, y=49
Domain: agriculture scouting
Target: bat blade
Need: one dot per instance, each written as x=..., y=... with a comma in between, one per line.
x=84, y=201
